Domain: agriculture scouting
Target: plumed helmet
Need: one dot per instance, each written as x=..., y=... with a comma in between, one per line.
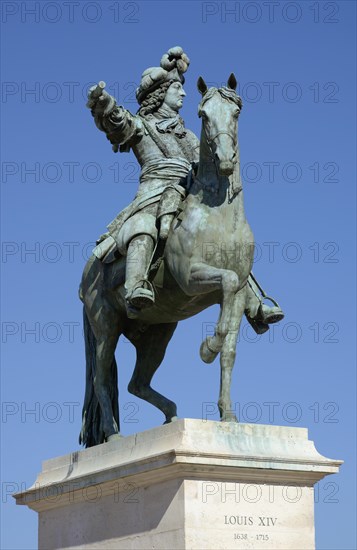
x=172, y=66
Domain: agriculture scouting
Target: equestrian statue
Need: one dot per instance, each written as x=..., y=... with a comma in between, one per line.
x=181, y=246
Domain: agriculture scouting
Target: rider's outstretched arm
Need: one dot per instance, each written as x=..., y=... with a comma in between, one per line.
x=121, y=127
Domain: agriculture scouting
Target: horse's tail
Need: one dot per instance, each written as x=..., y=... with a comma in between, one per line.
x=92, y=432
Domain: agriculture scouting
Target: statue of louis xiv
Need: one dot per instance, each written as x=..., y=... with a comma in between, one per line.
x=166, y=152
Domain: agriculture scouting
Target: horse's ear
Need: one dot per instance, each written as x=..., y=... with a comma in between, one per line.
x=232, y=82
x=201, y=85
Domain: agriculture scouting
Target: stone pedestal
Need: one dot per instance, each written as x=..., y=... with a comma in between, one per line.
x=191, y=484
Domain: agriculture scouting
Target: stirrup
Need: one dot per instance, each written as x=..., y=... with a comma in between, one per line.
x=142, y=295
x=269, y=314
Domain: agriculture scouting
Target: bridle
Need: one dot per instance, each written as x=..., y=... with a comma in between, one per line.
x=229, y=95
x=211, y=140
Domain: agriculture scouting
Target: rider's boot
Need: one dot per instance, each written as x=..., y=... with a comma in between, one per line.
x=140, y=294
x=260, y=315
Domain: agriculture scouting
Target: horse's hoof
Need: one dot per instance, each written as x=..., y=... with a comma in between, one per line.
x=113, y=437
x=206, y=354
x=172, y=419
x=229, y=417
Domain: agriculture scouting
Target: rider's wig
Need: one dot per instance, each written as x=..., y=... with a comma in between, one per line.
x=154, y=100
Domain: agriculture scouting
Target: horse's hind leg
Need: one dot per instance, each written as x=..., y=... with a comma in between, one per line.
x=150, y=351
x=227, y=358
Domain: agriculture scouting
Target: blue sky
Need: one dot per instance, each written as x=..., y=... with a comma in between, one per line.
x=62, y=184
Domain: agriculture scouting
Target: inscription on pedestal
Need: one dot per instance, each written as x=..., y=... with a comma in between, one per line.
x=252, y=522
x=255, y=515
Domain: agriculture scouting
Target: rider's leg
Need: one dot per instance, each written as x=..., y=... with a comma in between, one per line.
x=168, y=206
x=139, y=290
x=258, y=314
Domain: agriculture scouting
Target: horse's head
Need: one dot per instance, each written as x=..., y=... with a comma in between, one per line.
x=219, y=110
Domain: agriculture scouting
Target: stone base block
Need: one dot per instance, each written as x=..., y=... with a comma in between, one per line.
x=191, y=484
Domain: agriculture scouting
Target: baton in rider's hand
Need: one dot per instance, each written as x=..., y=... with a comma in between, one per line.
x=94, y=94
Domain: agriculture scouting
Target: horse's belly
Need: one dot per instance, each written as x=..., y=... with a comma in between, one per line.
x=173, y=306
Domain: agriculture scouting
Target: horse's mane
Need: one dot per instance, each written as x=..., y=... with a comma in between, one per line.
x=226, y=93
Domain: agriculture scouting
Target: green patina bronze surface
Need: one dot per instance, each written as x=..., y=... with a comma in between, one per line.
x=183, y=245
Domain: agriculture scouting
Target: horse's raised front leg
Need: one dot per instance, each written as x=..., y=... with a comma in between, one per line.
x=227, y=357
x=203, y=279
x=150, y=351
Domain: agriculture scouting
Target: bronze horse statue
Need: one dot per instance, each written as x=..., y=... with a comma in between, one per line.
x=192, y=279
